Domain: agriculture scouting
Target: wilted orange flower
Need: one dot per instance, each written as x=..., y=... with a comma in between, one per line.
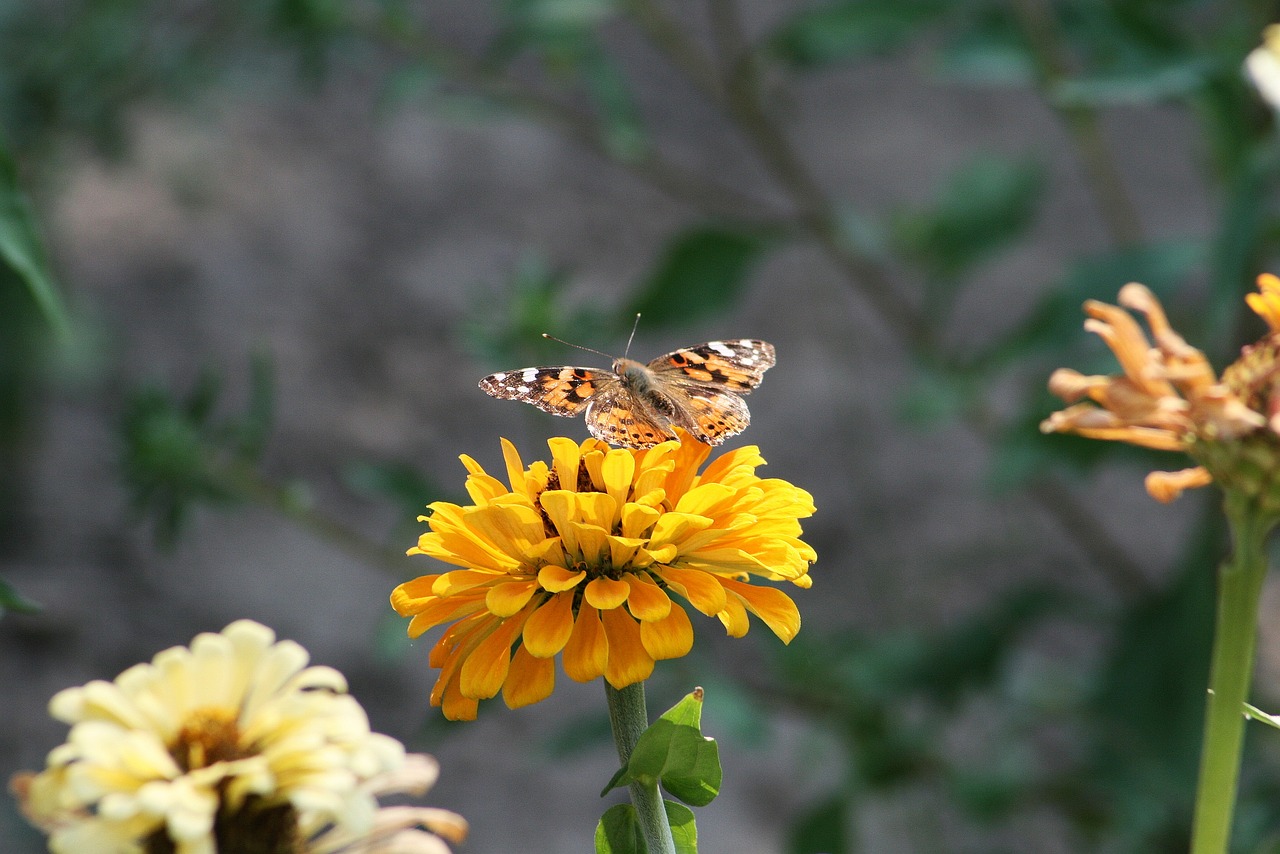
x=581, y=557
x=1170, y=399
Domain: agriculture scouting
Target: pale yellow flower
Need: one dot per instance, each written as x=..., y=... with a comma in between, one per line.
x=231, y=743
x=1263, y=65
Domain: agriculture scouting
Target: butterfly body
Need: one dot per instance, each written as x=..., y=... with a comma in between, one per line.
x=635, y=404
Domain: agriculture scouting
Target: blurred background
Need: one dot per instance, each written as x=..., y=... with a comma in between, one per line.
x=257, y=253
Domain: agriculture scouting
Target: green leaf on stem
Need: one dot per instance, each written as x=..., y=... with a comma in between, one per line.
x=618, y=831
x=674, y=751
x=21, y=249
x=700, y=274
x=849, y=30
x=983, y=208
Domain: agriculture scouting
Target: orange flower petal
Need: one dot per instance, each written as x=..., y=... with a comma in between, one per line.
x=587, y=652
x=406, y=598
x=606, y=593
x=486, y=667
x=669, y=637
x=505, y=599
x=629, y=662
x=555, y=579
x=531, y=680
x=549, y=627
x=734, y=617
x=771, y=605
x=647, y=600
x=701, y=589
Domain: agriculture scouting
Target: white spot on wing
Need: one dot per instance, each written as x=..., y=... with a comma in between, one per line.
x=529, y=375
x=720, y=347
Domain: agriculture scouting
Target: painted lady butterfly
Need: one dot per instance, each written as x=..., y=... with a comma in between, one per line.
x=697, y=388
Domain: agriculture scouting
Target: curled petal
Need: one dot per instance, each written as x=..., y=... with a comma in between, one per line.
x=1166, y=486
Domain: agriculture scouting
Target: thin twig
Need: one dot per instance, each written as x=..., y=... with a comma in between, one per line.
x=578, y=125
x=247, y=481
x=1103, y=176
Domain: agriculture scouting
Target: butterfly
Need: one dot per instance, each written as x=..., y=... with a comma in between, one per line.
x=696, y=388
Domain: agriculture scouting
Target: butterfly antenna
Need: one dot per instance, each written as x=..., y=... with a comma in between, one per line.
x=576, y=346
x=634, y=326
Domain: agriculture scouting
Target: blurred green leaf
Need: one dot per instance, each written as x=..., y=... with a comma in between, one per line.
x=701, y=274
x=402, y=484
x=1057, y=319
x=982, y=208
x=823, y=829
x=849, y=30
x=987, y=46
x=21, y=249
x=176, y=455
x=1150, y=85
x=12, y=600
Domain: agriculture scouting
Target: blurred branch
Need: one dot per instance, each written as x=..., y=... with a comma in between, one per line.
x=1101, y=173
x=743, y=100
x=243, y=478
x=578, y=125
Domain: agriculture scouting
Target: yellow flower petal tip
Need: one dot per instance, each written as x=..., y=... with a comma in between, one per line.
x=591, y=555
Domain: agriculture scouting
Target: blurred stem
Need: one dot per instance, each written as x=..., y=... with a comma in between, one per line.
x=245, y=480
x=1235, y=637
x=628, y=719
x=1101, y=173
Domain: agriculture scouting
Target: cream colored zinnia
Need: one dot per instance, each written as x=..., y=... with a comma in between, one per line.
x=232, y=744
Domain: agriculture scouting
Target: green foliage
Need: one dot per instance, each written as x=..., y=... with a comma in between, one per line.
x=983, y=208
x=852, y=29
x=12, y=600
x=823, y=829
x=22, y=251
x=177, y=455
x=701, y=273
x=674, y=752
x=619, y=830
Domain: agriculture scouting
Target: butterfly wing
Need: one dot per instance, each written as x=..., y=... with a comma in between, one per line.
x=617, y=416
x=561, y=391
x=737, y=365
x=709, y=413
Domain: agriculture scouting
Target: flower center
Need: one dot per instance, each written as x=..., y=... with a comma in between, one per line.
x=208, y=736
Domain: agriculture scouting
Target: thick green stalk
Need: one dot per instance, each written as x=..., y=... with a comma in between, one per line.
x=628, y=718
x=1234, y=639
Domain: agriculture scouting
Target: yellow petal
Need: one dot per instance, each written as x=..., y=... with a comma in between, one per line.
x=617, y=470
x=531, y=680
x=503, y=600
x=637, y=519
x=556, y=579
x=440, y=611
x=771, y=605
x=412, y=594
x=674, y=527
x=669, y=637
x=486, y=667
x=565, y=455
x=587, y=652
x=647, y=601
x=548, y=628
x=629, y=662
x=704, y=591
x=606, y=593
x=515, y=468
x=734, y=617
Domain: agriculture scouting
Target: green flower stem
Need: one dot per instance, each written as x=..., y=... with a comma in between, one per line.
x=628, y=718
x=1234, y=639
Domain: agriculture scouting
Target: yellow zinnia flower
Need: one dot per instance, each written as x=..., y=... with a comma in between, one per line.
x=232, y=744
x=1170, y=399
x=581, y=557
